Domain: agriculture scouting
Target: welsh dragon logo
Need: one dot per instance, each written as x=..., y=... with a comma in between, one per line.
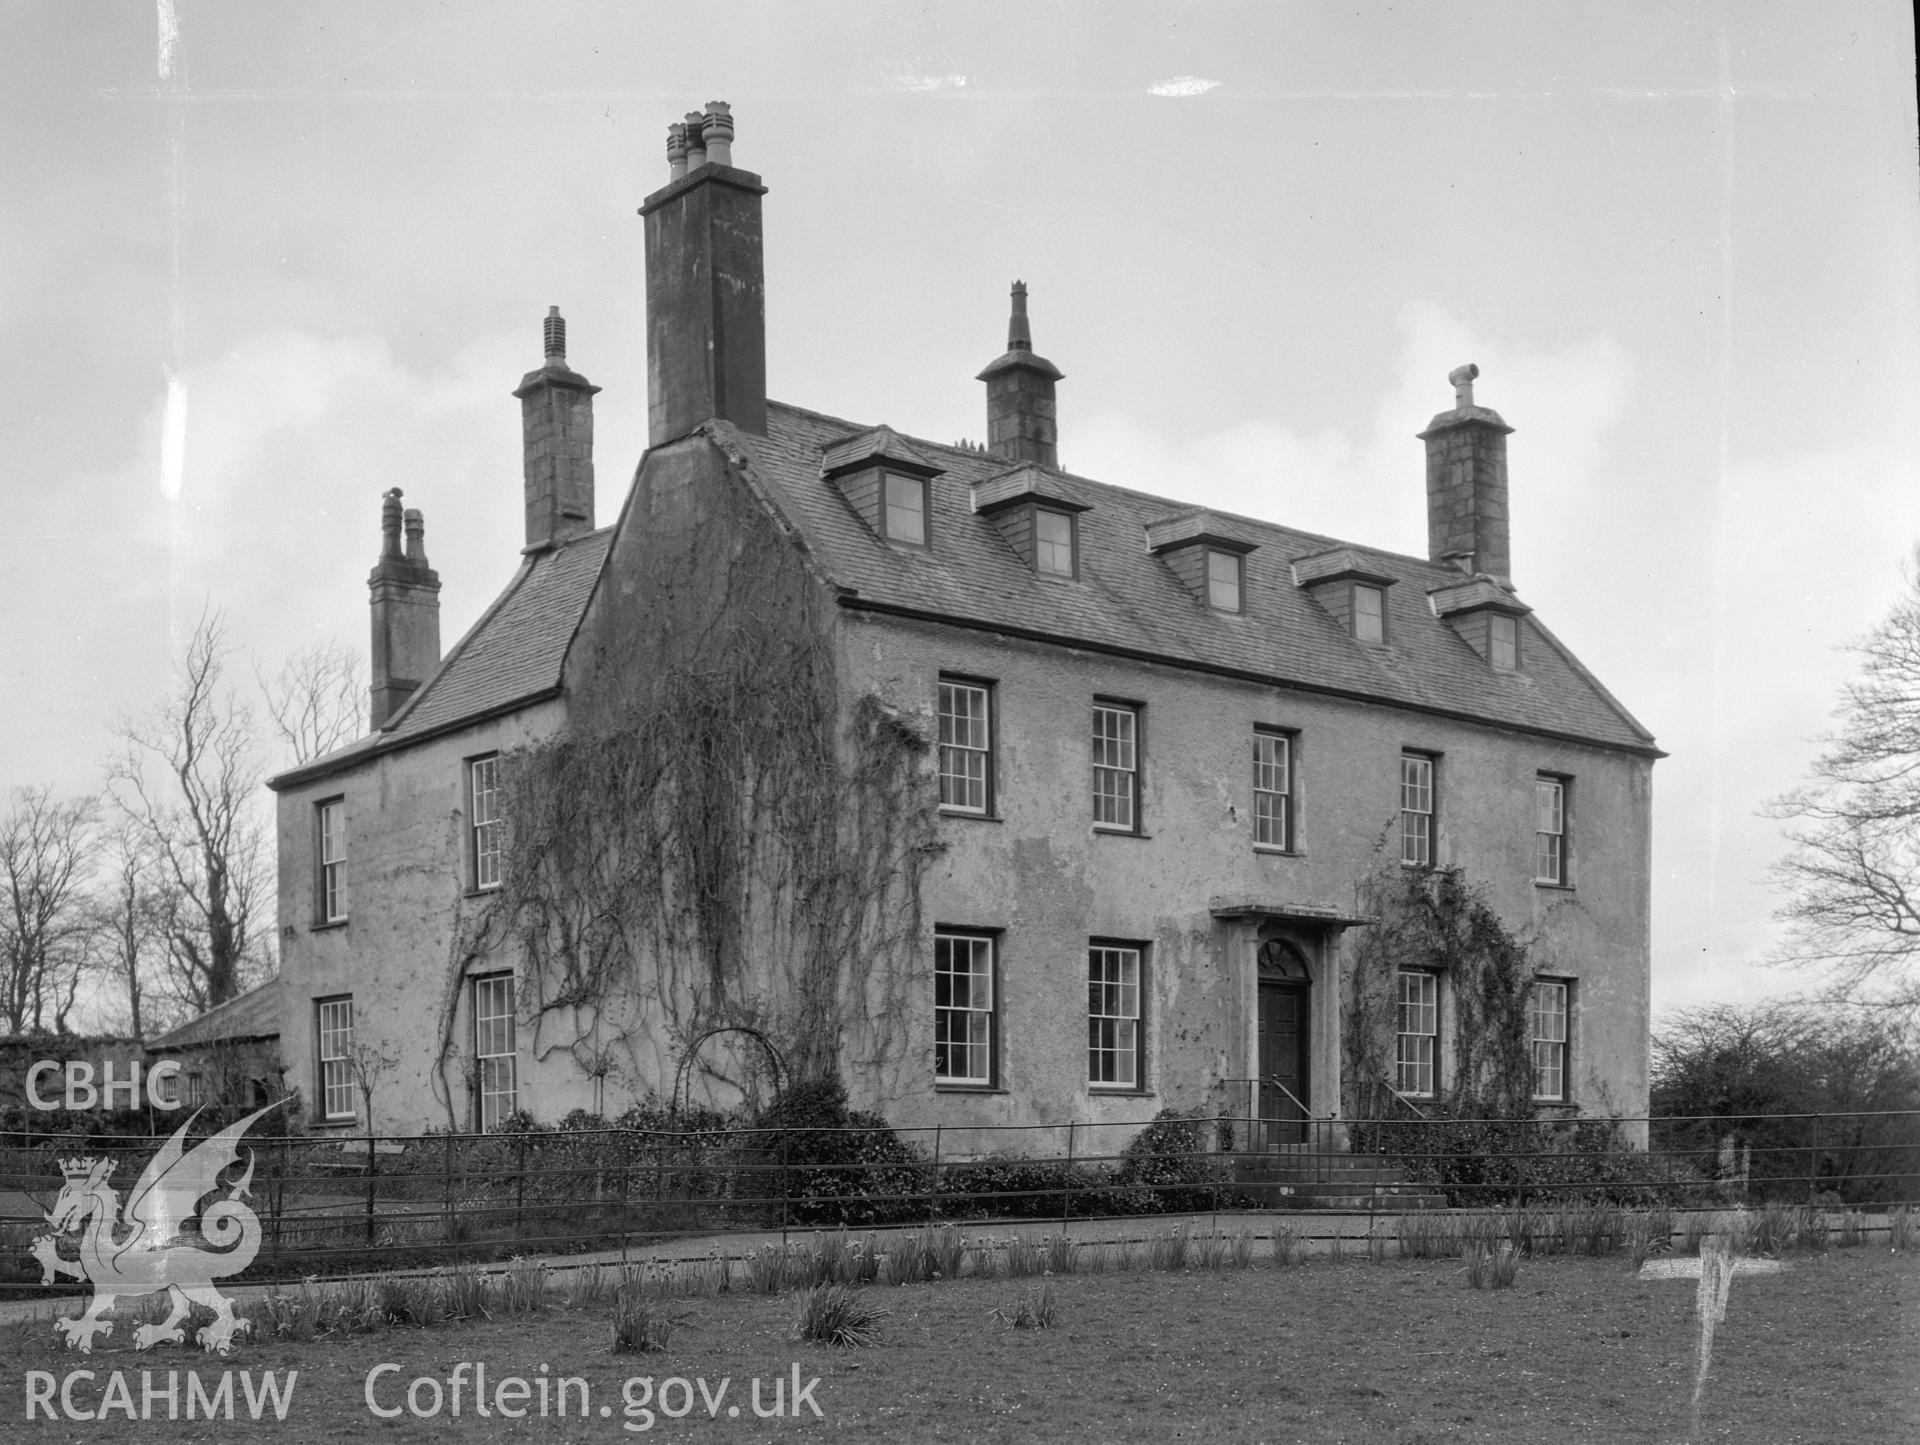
x=146, y=1251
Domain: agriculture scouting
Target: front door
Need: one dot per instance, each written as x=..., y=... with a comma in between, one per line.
x=1283, y=1062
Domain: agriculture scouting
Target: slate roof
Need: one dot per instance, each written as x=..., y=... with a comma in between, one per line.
x=1128, y=600
x=515, y=650
x=1125, y=600
x=512, y=656
x=255, y=1014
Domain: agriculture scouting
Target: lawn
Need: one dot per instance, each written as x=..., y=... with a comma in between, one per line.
x=1578, y=1350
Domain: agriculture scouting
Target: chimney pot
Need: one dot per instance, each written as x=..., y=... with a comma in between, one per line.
x=390, y=523
x=696, y=140
x=1019, y=333
x=676, y=150
x=555, y=336
x=717, y=131
x=1461, y=378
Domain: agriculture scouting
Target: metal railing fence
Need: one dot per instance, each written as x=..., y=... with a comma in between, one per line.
x=328, y=1204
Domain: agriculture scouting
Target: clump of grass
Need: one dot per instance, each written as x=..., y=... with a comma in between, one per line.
x=1694, y=1235
x=1034, y=1310
x=1900, y=1231
x=1494, y=1268
x=1589, y=1226
x=1642, y=1239
x=523, y=1289
x=1850, y=1235
x=1169, y=1250
x=832, y=1314
x=411, y=1300
x=1811, y=1230
x=586, y=1287
x=908, y=1260
x=1774, y=1228
x=1424, y=1235
x=1063, y=1255
x=1660, y=1228
x=640, y=1324
x=767, y=1269
x=351, y=1308
x=284, y=1315
x=1024, y=1257
x=1286, y=1246
x=466, y=1293
x=946, y=1252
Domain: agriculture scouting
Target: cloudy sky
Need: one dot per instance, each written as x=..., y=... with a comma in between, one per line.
x=262, y=261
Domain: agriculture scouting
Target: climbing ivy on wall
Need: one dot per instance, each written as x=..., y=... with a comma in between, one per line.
x=1434, y=918
x=721, y=835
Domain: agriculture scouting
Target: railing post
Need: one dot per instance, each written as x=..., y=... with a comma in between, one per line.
x=933, y=1181
x=520, y=1188
x=1066, y=1195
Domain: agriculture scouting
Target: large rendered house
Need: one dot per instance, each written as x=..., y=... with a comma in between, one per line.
x=1011, y=796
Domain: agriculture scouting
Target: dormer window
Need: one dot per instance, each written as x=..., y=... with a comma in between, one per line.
x=886, y=482
x=1487, y=616
x=1353, y=589
x=904, y=517
x=1036, y=514
x=1503, y=641
x=1223, y=581
x=1203, y=553
x=1053, y=538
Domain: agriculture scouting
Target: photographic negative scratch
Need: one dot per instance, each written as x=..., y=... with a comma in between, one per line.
x=1182, y=85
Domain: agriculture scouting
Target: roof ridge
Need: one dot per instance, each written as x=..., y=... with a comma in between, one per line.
x=979, y=458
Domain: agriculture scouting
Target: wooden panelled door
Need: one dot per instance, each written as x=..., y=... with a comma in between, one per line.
x=1282, y=1045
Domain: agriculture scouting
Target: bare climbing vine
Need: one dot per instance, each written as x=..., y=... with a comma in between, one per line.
x=721, y=836
x=1433, y=918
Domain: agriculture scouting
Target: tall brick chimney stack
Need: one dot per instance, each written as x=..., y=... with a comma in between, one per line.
x=1021, y=415
x=1467, y=483
x=556, y=428
x=405, y=596
x=706, y=285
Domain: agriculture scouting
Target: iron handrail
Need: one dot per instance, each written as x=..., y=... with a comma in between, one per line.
x=1305, y=1112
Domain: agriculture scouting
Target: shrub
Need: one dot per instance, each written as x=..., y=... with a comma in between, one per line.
x=1016, y=1188
x=832, y=1314
x=838, y=1165
x=1170, y=1160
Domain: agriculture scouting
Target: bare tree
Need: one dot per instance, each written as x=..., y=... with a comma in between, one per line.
x=1854, y=872
x=189, y=776
x=132, y=910
x=317, y=701
x=47, y=853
